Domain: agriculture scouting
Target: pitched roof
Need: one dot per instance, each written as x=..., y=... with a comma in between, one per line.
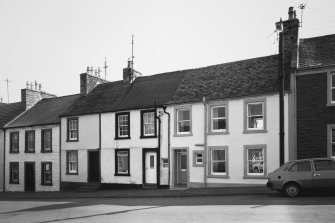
x=251, y=77
x=117, y=96
x=317, y=52
x=46, y=111
x=10, y=111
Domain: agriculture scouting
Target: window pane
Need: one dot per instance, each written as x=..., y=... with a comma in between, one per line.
x=122, y=161
x=219, y=167
x=183, y=162
x=333, y=94
x=198, y=158
x=183, y=115
x=255, y=160
x=255, y=109
x=152, y=161
x=333, y=135
x=219, y=124
x=333, y=80
x=184, y=126
x=218, y=155
x=256, y=122
x=218, y=112
x=333, y=149
x=301, y=166
x=321, y=165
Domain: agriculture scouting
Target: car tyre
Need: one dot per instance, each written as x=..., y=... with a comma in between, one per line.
x=292, y=189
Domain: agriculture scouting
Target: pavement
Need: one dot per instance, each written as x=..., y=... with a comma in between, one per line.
x=140, y=193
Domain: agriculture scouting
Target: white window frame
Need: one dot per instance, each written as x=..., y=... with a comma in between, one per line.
x=255, y=101
x=73, y=129
x=211, y=161
x=177, y=121
x=146, y=123
x=123, y=125
x=196, y=163
x=72, y=162
x=330, y=88
x=247, y=159
x=222, y=118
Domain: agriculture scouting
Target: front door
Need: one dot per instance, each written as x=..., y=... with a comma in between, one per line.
x=29, y=176
x=150, y=168
x=181, y=168
x=94, y=166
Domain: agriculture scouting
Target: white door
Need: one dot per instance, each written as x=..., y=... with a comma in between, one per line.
x=150, y=168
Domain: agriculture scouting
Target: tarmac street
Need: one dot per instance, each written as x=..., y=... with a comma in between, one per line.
x=238, y=208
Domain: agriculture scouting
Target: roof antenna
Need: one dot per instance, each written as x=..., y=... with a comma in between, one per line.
x=132, y=57
x=105, y=68
x=302, y=7
x=8, y=81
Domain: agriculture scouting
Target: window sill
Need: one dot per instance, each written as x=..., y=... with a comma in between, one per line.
x=148, y=137
x=47, y=184
x=254, y=131
x=29, y=151
x=122, y=175
x=14, y=183
x=330, y=104
x=255, y=177
x=198, y=165
x=14, y=152
x=182, y=135
x=218, y=133
x=121, y=138
x=50, y=151
x=218, y=176
x=72, y=140
x=71, y=173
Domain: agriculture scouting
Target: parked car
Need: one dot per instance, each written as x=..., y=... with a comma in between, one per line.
x=294, y=176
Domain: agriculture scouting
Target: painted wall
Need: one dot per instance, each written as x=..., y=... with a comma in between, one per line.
x=88, y=140
x=36, y=157
x=235, y=140
x=1, y=158
x=135, y=144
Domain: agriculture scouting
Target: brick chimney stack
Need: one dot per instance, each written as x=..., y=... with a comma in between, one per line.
x=88, y=82
x=127, y=74
x=30, y=96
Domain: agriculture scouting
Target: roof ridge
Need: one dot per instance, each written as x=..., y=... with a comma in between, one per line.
x=317, y=37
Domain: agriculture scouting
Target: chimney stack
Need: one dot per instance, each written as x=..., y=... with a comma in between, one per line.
x=127, y=74
x=29, y=96
x=88, y=81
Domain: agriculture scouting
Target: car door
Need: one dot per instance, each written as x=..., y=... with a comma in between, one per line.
x=324, y=173
x=301, y=172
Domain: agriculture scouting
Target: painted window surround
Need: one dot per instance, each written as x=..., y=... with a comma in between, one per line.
x=330, y=140
x=11, y=135
x=179, y=134
x=143, y=136
x=330, y=87
x=68, y=130
x=117, y=137
x=218, y=104
x=68, y=163
x=116, y=162
x=27, y=133
x=43, y=150
x=264, y=175
x=209, y=157
x=195, y=153
x=245, y=115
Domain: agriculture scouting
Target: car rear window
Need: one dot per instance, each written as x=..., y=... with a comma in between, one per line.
x=284, y=167
x=321, y=165
x=301, y=166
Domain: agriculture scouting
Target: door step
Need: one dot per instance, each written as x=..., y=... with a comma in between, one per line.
x=89, y=187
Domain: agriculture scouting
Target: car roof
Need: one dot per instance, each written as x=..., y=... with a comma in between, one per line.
x=324, y=158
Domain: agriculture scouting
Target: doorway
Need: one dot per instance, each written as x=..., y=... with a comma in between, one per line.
x=29, y=176
x=150, y=167
x=93, y=166
x=180, y=168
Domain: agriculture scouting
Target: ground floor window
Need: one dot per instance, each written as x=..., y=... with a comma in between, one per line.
x=218, y=157
x=255, y=164
x=198, y=158
x=14, y=173
x=46, y=173
x=332, y=141
x=72, y=162
x=122, y=162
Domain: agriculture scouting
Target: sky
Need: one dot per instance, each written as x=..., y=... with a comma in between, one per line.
x=53, y=41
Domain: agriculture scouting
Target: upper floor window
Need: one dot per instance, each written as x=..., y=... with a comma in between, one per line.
x=72, y=129
x=148, y=123
x=255, y=161
x=183, y=123
x=122, y=125
x=218, y=119
x=331, y=88
x=255, y=116
x=46, y=135
x=14, y=142
x=30, y=141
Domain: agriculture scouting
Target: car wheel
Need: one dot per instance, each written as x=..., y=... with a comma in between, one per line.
x=292, y=189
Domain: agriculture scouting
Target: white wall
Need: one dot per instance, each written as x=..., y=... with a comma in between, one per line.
x=36, y=157
x=135, y=145
x=88, y=140
x=235, y=141
x=1, y=158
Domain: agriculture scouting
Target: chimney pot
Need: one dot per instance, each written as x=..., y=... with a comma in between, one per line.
x=291, y=13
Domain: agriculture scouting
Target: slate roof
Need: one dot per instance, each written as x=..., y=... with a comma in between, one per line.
x=117, y=96
x=252, y=77
x=10, y=111
x=317, y=52
x=46, y=111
